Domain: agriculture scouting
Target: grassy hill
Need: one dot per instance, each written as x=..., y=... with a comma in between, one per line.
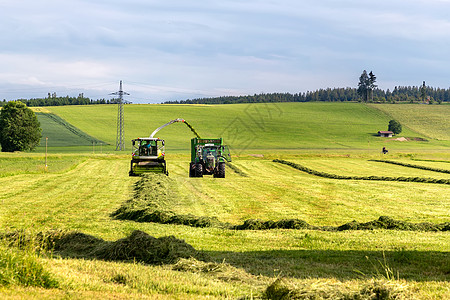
x=429, y=120
x=61, y=134
x=266, y=126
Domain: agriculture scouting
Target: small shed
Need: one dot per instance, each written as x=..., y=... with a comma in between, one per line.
x=385, y=133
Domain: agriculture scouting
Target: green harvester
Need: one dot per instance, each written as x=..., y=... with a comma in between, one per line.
x=148, y=156
x=208, y=157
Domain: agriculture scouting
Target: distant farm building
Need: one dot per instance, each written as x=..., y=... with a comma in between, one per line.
x=385, y=133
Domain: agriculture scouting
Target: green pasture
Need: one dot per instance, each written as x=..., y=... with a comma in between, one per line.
x=84, y=183
x=428, y=120
x=81, y=192
x=258, y=127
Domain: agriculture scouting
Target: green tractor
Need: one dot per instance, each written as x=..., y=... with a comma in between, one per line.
x=148, y=156
x=208, y=157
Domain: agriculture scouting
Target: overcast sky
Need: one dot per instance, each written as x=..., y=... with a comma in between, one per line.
x=183, y=49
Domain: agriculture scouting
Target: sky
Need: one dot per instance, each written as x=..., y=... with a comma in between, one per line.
x=183, y=49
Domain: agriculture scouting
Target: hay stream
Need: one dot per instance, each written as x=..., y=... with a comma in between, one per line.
x=192, y=129
x=153, y=193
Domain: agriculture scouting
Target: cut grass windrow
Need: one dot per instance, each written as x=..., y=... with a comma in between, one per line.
x=374, y=289
x=412, y=166
x=236, y=169
x=138, y=246
x=375, y=178
x=155, y=193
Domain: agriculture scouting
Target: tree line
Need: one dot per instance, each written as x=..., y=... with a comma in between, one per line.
x=61, y=101
x=400, y=94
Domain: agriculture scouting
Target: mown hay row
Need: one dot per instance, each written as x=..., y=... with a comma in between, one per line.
x=139, y=246
x=382, y=222
x=281, y=289
x=377, y=178
x=222, y=271
x=412, y=166
x=154, y=194
x=236, y=169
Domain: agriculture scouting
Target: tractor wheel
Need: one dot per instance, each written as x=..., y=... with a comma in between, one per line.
x=191, y=169
x=221, y=171
x=198, y=170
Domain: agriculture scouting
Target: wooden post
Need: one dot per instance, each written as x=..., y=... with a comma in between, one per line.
x=46, y=142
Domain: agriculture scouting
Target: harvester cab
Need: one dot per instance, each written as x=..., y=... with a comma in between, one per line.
x=148, y=156
x=208, y=157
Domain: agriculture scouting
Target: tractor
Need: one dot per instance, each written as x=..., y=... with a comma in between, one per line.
x=148, y=156
x=208, y=157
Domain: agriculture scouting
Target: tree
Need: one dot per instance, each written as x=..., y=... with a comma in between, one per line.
x=372, y=80
x=395, y=126
x=363, y=85
x=423, y=92
x=366, y=85
x=19, y=127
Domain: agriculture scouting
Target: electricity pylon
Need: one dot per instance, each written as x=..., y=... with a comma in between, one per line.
x=120, y=120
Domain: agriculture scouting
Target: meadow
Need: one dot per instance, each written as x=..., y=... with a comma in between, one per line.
x=80, y=191
x=260, y=127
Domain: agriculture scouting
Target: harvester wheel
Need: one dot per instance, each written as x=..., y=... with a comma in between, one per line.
x=191, y=169
x=198, y=170
x=221, y=172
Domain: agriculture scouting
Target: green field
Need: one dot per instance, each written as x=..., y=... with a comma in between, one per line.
x=78, y=191
x=257, y=127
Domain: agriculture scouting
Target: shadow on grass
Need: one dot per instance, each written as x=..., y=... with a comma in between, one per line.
x=333, y=264
x=341, y=265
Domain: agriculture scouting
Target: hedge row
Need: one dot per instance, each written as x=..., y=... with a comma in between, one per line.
x=379, y=178
x=412, y=166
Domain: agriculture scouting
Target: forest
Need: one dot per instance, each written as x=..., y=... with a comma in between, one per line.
x=53, y=100
x=400, y=94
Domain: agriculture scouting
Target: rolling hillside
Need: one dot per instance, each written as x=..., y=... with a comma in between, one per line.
x=61, y=134
x=260, y=127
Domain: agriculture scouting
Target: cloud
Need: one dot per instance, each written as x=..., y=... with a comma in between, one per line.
x=180, y=49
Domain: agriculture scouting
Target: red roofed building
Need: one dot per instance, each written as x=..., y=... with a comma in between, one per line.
x=385, y=133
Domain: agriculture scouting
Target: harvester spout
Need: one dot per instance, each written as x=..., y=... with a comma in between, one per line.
x=174, y=121
x=167, y=124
